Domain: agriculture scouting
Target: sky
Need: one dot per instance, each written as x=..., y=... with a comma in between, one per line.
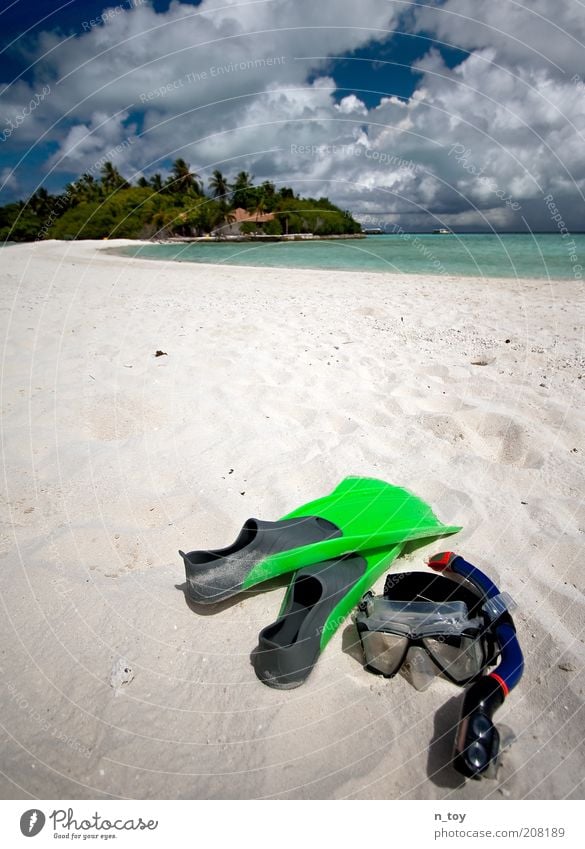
x=448, y=113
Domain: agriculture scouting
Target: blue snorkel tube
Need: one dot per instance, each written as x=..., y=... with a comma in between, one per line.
x=477, y=742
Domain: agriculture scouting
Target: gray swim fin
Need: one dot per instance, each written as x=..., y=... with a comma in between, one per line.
x=360, y=514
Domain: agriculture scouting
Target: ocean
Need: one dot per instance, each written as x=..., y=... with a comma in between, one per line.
x=548, y=256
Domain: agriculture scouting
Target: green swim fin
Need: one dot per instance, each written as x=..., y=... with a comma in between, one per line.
x=359, y=515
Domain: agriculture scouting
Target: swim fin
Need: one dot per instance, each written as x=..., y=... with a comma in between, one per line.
x=360, y=514
x=318, y=599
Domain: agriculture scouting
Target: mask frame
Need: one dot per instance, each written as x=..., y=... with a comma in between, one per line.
x=420, y=617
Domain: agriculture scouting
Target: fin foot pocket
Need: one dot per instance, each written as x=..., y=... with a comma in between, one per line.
x=217, y=574
x=289, y=648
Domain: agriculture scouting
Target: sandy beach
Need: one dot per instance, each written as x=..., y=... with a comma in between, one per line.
x=273, y=386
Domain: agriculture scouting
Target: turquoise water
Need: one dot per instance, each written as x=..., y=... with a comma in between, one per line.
x=545, y=256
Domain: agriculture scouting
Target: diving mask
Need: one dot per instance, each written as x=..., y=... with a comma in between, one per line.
x=425, y=625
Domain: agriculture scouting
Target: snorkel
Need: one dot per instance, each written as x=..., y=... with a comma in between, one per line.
x=477, y=741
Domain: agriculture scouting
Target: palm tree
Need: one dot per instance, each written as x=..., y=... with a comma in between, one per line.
x=219, y=185
x=268, y=190
x=88, y=187
x=84, y=190
x=156, y=182
x=183, y=178
x=260, y=206
x=241, y=189
x=111, y=177
x=41, y=202
x=244, y=180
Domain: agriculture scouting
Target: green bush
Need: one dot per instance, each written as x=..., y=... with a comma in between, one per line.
x=19, y=224
x=273, y=228
x=247, y=228
x=108, y=207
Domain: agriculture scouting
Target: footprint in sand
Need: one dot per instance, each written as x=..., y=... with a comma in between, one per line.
x=492, y=436
x=504, y=439
x=444, y=427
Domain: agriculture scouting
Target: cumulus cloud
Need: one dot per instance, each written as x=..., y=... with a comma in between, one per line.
x=547, y=34
x=249, y=85
x=351, y=105
x=103, y=134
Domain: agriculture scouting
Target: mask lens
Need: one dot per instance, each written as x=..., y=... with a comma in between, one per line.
x=461, y=657
x=383, y=652
x=419, y=668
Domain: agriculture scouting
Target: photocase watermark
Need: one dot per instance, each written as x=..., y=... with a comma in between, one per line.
x=66, y=824
x=565, y=234
x=66, y=820
x=23, y=704
x=14, y=123
x=355, y=150
x=463, y=157
x=110, y=13
x=210, y=73
x=32, y=822
x=578, y=82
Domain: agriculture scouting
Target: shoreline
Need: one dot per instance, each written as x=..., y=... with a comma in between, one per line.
x=292, y=237
x=108, y=249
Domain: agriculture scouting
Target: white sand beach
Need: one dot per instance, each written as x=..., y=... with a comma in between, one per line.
x=274, y=386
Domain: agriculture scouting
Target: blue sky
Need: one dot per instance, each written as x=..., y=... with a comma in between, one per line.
x=448, y=113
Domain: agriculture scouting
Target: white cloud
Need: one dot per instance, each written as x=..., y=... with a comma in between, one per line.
x=226, y=85
x=351, y=105
x=213, y=62
x=547, y=34
x=8, y=179
x=102, y=134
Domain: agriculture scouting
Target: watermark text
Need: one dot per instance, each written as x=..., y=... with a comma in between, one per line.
x=210, y=73
x=110, y=13
x=30, y=107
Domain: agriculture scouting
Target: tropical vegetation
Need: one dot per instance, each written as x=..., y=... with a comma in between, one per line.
x=109, y=206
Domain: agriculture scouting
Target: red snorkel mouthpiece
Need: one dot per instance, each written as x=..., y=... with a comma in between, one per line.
x=442, y=561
